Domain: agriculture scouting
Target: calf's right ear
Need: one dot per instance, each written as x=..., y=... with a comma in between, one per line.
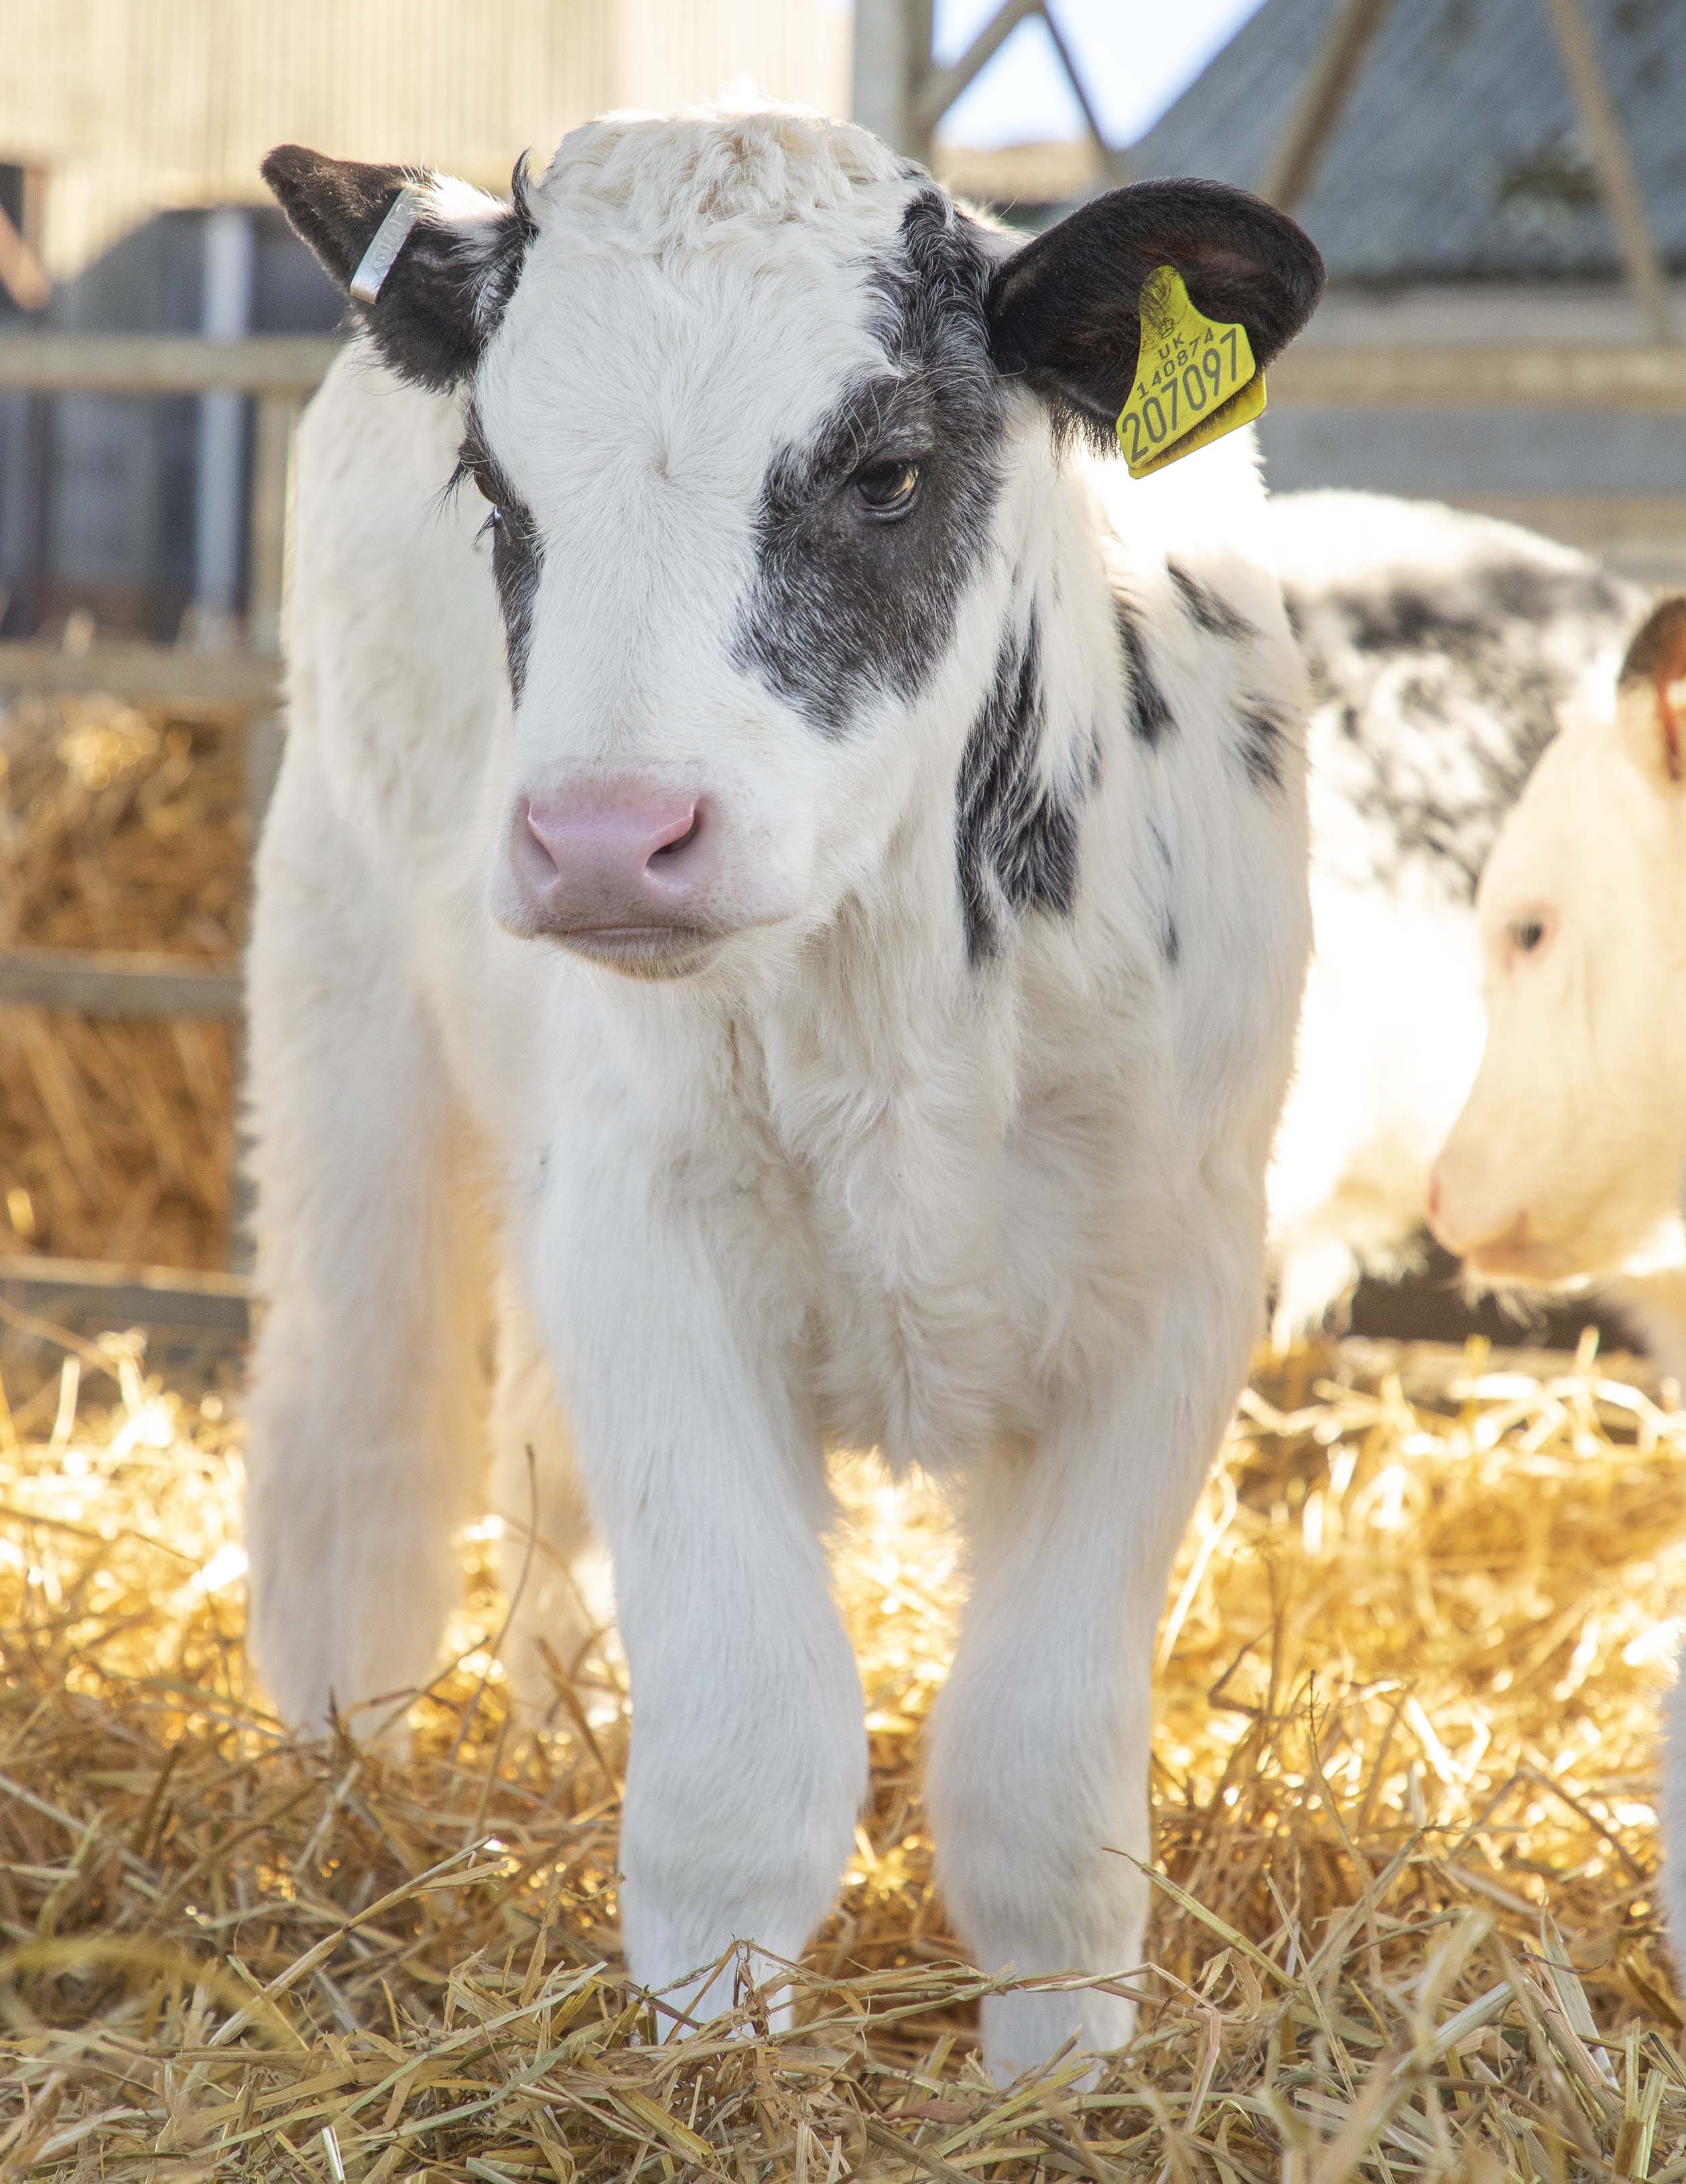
x=434, y=306
x=1650, y=695
x=1065, y=312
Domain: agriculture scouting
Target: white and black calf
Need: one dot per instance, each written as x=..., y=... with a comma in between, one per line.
x=1447, y=652
x=827, y=954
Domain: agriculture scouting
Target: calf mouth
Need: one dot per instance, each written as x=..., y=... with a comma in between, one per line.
x=642, y=951
x=1524, y=1264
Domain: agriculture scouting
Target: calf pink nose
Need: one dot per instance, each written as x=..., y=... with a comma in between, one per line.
x=1443, y=1230
x=613, y=857
x=1467, y=1239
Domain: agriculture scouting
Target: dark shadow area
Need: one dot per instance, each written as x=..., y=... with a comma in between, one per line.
x=1431, y=1307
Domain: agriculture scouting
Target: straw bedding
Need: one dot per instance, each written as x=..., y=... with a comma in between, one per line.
x=119, y=828
x=1404, y=1927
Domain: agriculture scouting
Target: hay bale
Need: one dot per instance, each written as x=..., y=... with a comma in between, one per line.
x=119, y=828
x=1403, y=1788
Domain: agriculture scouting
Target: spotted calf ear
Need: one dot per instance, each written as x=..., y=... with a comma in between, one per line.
x=1650, y=695
x=435, y=286
x=1065, y=311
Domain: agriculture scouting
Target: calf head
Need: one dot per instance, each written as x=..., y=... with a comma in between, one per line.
x=765, y=427
x=1566, y=1161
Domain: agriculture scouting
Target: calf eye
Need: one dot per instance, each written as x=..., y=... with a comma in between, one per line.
x=887, y=488
x=1526, y=934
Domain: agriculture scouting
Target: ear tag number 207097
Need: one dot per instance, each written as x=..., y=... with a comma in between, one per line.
x=1195, y=378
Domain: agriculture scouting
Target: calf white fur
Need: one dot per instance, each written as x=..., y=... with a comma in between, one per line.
x=831, y=944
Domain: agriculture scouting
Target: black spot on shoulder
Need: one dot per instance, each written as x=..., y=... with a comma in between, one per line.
x=1261, y=745
x=1532, y=593
x=517, y=551
x=842, y=609
x=1150, y=716
x=1171, y=939
x=1437, y=690
x=1210, y=611
x=1015, y=833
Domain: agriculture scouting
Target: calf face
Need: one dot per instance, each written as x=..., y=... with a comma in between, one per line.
x=763, y=423
x=1566, y=1161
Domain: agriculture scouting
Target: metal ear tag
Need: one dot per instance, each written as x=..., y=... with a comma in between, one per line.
x=389, y=238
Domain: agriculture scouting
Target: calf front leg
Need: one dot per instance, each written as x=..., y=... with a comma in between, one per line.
x=747, y=1765
x=364, y=1454
x=1040, y=1744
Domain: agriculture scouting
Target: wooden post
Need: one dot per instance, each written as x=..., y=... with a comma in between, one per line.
x=271, y=519
x=1328, y=85
x=892, y=60
x=1617, y=181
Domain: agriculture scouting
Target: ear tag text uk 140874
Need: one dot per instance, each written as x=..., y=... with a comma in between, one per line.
x=1195, y=378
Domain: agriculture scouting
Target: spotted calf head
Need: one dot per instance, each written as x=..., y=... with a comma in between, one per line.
x=767, y=428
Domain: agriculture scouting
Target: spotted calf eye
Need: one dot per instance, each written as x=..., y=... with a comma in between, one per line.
x=887, y=488
x=1526, y=934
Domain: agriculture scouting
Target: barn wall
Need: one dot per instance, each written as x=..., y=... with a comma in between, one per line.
x=131, y=105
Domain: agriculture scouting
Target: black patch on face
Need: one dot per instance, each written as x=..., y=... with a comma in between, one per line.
x=844, y=608
x=1015, y=836
x=517, y=552
x=1261, y=746
x=1212, y=613
x=1149, y=715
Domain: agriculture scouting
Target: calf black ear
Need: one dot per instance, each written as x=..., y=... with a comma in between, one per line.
x=446, y=289
x=1651, y=694
x=1065, y=311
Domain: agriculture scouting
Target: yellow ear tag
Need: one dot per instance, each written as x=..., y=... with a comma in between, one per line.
x=1195, y=380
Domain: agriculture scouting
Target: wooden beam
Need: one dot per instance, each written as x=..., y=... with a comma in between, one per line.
x=1114, y=168
x=1328, y=85
x=1557, y=374
x=146, y=674
x=163, y=364
x=943, y=86
x=108, y=983
x=891, y=63
x=98, y=1296
x=1619, y=184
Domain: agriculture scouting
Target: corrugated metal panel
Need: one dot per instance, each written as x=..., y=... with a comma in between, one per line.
x=132, y=104
x=1459, y=155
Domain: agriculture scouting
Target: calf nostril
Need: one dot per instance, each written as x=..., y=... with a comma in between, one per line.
x=1434, y=1197
x=679, y=842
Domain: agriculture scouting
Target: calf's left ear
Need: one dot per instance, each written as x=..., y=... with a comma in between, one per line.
x=1065, y=311
x=1650, y=695
x=433, y=294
